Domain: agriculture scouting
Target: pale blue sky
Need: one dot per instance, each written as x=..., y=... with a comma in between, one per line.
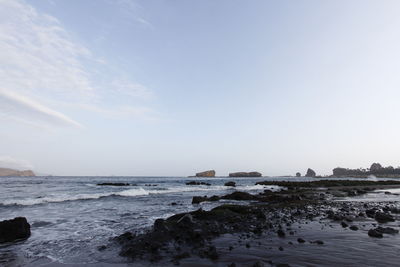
x=126, y=87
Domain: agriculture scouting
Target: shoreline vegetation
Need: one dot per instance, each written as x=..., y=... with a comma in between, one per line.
x=193, y=236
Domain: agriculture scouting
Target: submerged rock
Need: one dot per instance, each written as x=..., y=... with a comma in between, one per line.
x=17, y=228
x=114, y=184
x=197, y=183
x=375, y=233
x=230, y=184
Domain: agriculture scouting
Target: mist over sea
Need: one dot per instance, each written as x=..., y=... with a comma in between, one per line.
x=71, y=217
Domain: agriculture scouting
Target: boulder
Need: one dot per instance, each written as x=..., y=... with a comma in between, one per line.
x=245, y=174
x=17, y=228
x=230, y=184
x=310, y=173
x=382, y=217
x=210, y=173
x=298, y=174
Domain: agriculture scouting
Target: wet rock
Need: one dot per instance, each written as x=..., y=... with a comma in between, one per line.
x=318, y=242
x=298, y=174
x=113, y=184
x=159, y=226
x=231, y=183
x=387, y=230
x=281, y=248
x=353, y=227
x=281, y=233
x=185, y=221
x=17, y=228
x=344, y=225
x=370, y=212
x=258, y=264
x=197, y=183
x=383, y=217
x=301, y=240
x=374, y=233
x=197, y=199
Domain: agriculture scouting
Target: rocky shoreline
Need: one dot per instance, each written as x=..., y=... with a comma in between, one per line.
x=262, y=219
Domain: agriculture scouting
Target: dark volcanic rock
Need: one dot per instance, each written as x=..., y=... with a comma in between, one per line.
x=387, y=230
x=298, y=174
x=230, y=184
x=197, y=183
x=198, y=199
x=210, y=173
x=17, y=228
x=383, y=217
x=375, y=233
x=114, y=184
x=310, y=173
x=353, y=227
x=245, y=174
x=281, y=233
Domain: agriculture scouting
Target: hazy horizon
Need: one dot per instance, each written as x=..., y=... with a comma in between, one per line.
x=171, y=88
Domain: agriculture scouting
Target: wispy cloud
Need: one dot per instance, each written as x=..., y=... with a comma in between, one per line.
x=13, y=104
x=42, y=63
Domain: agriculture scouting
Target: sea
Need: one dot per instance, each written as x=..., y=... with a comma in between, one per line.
x=71, y=217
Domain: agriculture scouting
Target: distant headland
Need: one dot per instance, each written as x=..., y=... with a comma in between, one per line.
x=11, y=172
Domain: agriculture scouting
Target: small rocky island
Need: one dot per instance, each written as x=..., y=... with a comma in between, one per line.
x=11, y=172
x=210, y=173
x=245, y=174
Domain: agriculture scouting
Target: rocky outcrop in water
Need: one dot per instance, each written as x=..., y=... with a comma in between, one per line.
x=310, y=173
x=210, y=173
x=298, y=174
x=11, y=172
x=197, y=183
x=245, y=174
x=15, y=229
x=113, y=184
x=230, y=183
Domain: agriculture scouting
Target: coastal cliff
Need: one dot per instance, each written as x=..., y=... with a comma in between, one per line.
x=11, y=172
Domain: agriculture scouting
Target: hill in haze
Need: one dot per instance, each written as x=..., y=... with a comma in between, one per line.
x=11, y=172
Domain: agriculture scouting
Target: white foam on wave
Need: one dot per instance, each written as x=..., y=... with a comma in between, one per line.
x=62, y=198
x=132, y=193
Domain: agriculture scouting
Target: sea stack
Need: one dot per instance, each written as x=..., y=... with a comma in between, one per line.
x=210, y=173
x=245, y=174
x=310, y=173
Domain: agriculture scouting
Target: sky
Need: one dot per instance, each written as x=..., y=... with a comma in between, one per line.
x=157, y=87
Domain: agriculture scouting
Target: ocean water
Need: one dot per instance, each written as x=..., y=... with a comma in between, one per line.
x=71, y=217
